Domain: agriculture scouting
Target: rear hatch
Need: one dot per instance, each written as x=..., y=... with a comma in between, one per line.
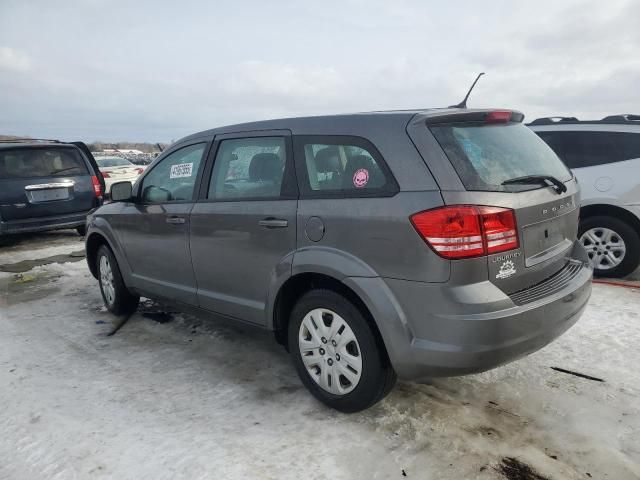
x=496, y=161
x=40, y=181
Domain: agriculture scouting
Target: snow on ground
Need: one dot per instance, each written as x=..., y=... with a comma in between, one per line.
x=41, y=245
x=198, y=399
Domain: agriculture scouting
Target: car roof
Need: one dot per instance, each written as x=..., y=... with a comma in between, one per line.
x=295, y=123
x=346, y=123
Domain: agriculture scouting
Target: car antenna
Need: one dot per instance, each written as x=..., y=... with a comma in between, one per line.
x=463, y=103
x=159, y=147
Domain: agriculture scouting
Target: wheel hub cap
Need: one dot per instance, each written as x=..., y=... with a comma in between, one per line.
x=605, y=248
x=106, y=281
x=330, y=351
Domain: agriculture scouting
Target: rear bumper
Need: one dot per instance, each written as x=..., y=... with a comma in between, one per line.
x=438, y=332
x=42, y=224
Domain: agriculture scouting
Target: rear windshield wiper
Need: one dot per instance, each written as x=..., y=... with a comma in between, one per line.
x=55, y=172
x=546, y=180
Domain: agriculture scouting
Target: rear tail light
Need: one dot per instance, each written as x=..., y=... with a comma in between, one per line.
x=97, y=188
x=499, y=228
x=465, y=231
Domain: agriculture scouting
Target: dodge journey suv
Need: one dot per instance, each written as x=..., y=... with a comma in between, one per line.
x=409, y=243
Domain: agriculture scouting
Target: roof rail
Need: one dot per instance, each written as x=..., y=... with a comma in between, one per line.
x=27, y=140
x=552, y=120
x=622, y=118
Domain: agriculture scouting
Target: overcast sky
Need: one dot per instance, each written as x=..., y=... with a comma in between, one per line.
x=151, y=70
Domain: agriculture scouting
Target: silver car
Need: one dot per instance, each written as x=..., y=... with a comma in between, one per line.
x=405, y=244
x=604, y=155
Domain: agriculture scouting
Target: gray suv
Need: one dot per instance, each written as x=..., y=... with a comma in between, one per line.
x=410, y=243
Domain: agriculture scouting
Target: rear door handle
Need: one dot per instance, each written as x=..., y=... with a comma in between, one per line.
x=273, y=223
x=175, y=220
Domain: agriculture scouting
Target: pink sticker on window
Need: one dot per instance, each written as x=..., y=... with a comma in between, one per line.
x=361, y=178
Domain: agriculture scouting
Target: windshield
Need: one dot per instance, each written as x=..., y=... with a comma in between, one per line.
x=112, y=162
x=485, y=156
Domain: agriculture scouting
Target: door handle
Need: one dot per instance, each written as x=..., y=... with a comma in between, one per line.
x=273, y=223
x=175, y=220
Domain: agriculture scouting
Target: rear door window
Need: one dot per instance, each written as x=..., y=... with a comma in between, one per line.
x=41, y=162
x=486, y=156
x=342, y=166
x=249, y=168
x=588, y=149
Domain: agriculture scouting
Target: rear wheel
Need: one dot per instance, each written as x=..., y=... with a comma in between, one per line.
x=613, y=246
x=336, y=353
x=115, y=294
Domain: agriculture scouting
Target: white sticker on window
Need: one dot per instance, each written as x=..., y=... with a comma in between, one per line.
x=181, y=170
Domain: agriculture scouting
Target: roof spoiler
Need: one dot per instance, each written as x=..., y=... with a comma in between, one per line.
x=475, y=116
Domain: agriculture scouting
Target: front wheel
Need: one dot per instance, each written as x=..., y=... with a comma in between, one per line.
x=336, y=352
x=115, y=294
x=613, y=246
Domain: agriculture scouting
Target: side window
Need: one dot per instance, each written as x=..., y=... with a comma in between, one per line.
x=173, y=179
x=342, y=166
x=588, y=149
x=248, y=168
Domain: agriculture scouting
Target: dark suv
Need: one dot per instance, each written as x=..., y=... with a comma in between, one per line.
x=416, y=243
x=47, y=185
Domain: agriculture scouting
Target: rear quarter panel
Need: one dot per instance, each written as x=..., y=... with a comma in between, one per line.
x=377, y=232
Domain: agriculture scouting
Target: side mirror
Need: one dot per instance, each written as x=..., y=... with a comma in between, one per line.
x=121, y=192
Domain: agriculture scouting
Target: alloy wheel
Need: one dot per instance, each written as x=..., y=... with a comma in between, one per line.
x=606, y=249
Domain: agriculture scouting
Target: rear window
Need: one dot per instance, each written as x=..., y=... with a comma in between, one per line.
x=589, y=149
x=41, y=162
x=112, y=162
x=485, y=156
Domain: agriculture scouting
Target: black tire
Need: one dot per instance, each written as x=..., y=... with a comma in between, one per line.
x=377, y=376
x=82, y=230
x=629, y=236
x=124, y=302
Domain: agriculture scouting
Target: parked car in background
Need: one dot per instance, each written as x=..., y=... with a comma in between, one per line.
x=117, y=169
x=417, y=243
x=605, y=157
x=46, y=185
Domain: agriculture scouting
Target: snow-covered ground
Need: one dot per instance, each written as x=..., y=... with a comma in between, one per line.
x=198, y=399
